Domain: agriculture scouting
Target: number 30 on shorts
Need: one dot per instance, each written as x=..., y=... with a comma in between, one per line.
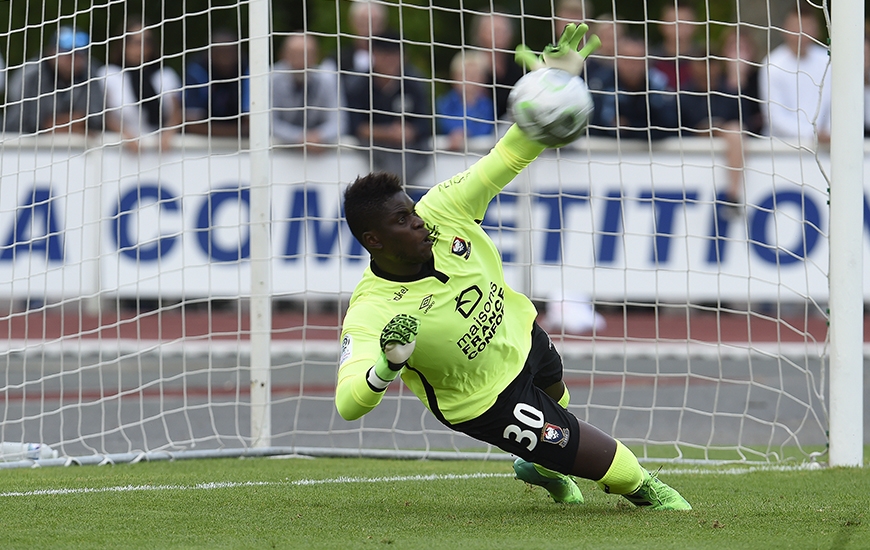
x=530, y=417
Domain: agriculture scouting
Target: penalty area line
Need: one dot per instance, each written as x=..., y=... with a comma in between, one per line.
x=243, y=484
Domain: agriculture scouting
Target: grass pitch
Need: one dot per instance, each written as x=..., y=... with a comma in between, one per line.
x=360, y=503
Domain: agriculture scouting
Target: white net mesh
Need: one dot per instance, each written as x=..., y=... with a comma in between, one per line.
x=678, y=253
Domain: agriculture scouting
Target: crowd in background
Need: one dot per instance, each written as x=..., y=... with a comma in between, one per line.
x=682, y=85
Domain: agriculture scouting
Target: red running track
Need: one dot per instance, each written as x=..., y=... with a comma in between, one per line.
x=174, y=325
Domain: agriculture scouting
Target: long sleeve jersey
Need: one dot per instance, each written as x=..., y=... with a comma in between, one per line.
x=475, y=331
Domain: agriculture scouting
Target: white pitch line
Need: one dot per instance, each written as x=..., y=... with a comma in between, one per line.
x=744, y=469
x=384, y=479
x=235, y=484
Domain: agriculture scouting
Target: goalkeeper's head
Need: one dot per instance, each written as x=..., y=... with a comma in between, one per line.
x=383, y=219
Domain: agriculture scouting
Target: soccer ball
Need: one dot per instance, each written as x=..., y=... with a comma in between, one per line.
x=551, y=106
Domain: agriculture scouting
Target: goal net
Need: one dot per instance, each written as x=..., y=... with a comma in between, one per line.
x=174, y=265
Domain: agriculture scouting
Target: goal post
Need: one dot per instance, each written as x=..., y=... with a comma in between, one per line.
x=847, y=220
x=261, y=219
x=184, y=297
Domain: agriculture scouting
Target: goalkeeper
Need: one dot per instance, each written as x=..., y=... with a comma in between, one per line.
x=433, y=307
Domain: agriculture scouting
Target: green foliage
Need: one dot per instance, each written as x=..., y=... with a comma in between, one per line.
x=733, y=508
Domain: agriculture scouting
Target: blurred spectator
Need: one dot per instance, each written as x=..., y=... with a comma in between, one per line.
x=695, y=101
x=794, y=83
x=724, y=102
x=366, y=19
x=2, y=74
x=466, y=110
x=600, y=67
x=677, y=26
x=494, y=32
x=867, y=81
x=633, y=103
x=737, y=81
x=143, y=96
x=724, y=87
x=216, y=89
x=304, y=95
x=705, y=111
x=58, y=92
x=389, y=111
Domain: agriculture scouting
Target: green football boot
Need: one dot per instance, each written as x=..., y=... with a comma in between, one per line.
x=657, y=495
x=562, y=488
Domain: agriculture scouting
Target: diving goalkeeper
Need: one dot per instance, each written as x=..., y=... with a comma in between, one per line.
x=433, y=307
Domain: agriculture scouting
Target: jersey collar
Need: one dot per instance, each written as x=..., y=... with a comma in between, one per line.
x=427, y=271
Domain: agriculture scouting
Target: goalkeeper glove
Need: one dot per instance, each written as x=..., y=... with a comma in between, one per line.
x=564, y=55
x=398, y=340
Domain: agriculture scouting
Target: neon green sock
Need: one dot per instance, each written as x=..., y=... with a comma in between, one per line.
x=625, y=473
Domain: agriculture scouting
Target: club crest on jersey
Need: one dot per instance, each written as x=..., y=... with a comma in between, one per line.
x=461, y=247
x=555, y=435
x=427, y=303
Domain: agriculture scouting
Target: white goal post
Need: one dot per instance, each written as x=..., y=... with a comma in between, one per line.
x=847, y=220
x=179, y=292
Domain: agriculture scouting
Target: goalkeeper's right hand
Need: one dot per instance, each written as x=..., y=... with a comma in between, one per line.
x=564, y=54
x=399, y=338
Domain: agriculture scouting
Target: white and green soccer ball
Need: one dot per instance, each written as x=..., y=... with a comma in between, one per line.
x=551, y=106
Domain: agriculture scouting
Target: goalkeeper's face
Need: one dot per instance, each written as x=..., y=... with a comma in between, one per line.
x=399, y=241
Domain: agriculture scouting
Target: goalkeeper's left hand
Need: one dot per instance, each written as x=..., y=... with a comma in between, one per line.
x=564, y=55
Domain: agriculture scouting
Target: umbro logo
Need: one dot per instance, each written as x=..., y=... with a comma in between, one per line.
x=427, y=303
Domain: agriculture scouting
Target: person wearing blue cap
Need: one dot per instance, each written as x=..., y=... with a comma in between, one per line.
x=58, y=92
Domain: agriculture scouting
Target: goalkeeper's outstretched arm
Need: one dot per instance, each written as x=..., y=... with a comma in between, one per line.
x=513, y=152
x=361, y=384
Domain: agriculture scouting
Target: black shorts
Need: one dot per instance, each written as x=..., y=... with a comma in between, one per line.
x=526, y=421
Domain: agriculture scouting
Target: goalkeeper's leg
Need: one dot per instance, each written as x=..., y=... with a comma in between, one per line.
x=605, y=460
x=530, y=419
x=599, y=456
x=617, y=471
x=561, y=487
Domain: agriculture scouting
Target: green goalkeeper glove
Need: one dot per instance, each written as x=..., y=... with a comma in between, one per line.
x=398, y=340
x=563, y=55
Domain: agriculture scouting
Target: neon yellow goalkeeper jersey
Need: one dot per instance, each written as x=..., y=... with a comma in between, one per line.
x=475, y=331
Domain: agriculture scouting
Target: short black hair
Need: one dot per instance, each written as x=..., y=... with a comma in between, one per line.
x=364, y=200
